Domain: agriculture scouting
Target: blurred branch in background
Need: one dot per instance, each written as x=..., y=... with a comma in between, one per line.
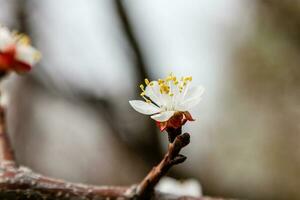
x=152, y=148
x=21, y=13
x=102, y=122
x=148, y=149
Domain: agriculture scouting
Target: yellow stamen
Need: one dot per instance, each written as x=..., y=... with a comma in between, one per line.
x=142, y=87
x=147, y=81
x=160, y=81
x=147, y=100
x=23, y=39
x=37, y=56
x=169, y=78
x=165, y=87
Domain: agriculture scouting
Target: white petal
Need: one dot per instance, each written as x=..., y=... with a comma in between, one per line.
x=143, y=107
x=27, y=54
x=167, y=102
x=163, y=116
x=6, y=38
x=188, y=104
x=191, y=99
x=153, y=92
x=189, y=187
x=193, y=92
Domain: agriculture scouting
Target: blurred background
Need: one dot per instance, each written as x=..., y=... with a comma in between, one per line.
x=70, y=117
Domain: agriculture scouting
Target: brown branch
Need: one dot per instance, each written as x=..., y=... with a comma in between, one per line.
x=172, y=157
x=22, y=183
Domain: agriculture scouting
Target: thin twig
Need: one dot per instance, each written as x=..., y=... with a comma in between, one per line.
x=172, y=157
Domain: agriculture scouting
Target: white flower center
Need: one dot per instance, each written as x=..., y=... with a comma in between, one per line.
x=166, y=93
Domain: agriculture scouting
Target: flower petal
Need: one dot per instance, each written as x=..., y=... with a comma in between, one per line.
x=143, y=107
x=163, y=116
x=153, y=92
x=193, y=92
x=188, y=104
x=191, y=98
x=27, y=54
x=6, y=39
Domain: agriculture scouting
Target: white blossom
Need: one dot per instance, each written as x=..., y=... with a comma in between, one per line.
x=166, y=97
x=16, y=52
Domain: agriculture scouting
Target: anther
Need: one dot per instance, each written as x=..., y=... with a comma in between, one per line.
x=147, y=81
x=160, y=81
x=142, y=87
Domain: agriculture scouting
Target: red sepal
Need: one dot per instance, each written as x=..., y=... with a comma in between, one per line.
x=162, y=125
x=21, y=67
x=176, y=121
x=9, y=63
x=188, y=116
x=7, y=58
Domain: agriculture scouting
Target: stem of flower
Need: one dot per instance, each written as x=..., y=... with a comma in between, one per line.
x=146, y=188
x=6, y=152
x=173, y=133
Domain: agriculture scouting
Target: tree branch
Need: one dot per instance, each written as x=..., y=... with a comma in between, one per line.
x=172, y=157
x=22, y=183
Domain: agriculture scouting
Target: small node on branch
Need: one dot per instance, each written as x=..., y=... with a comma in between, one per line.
x=178, y=159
